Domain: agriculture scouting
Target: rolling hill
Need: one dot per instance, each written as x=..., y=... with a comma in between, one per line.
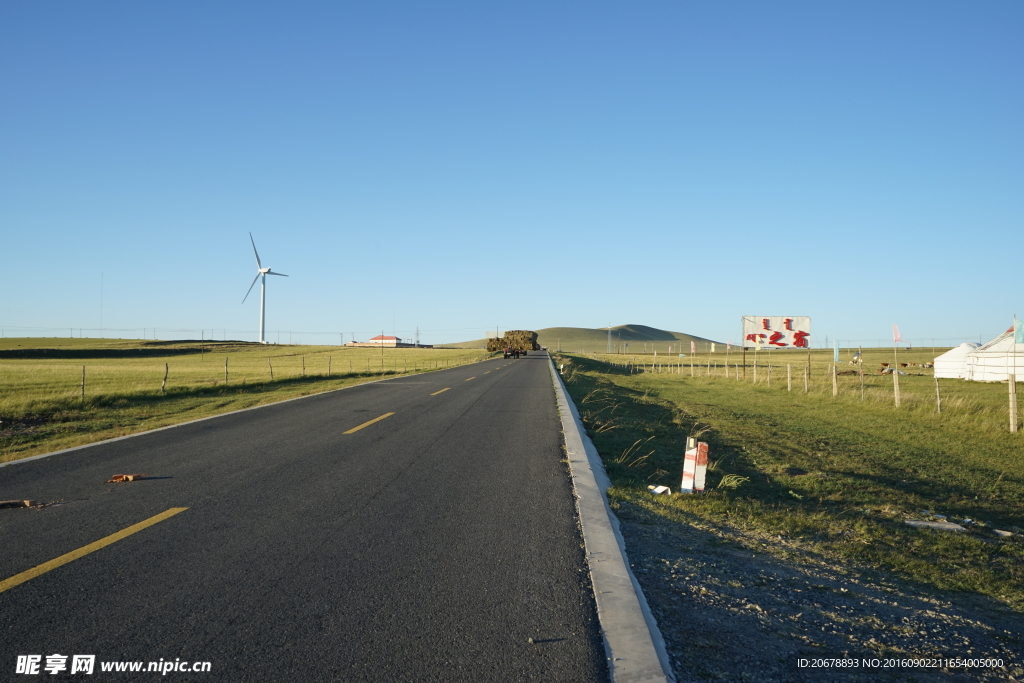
x=630, y=339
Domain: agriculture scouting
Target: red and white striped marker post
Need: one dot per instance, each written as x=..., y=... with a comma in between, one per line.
x=702, y=466
x=695, y=467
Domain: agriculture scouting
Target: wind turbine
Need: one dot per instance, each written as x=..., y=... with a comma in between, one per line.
x=261, y=274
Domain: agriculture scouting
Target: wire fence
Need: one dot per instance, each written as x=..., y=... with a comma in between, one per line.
x=35, y=382
x=904, y=381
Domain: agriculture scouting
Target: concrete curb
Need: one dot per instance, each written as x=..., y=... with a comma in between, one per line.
x=214, y=417
x=633, y=643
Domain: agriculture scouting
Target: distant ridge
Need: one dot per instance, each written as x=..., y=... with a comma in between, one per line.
x=639, y=338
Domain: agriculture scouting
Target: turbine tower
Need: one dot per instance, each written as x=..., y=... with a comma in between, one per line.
x=261, y=274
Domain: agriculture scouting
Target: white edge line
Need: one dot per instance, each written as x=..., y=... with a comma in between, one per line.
x=633, y=642
x=214, y=417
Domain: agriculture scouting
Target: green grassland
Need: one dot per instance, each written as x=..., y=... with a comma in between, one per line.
x=837, y=475
x=624, y=338
x=42, y=408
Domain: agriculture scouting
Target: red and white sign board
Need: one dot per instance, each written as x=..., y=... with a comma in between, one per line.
x=695, y=468
x=777, y=331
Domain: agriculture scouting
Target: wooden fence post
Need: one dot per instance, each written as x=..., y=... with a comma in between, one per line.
x=303, y=366
x=163, y=385
x=225, y=369
x=83, y=384
x=835, y=381
x=1013, y=403
x=806, y=387
x=896, y=386
x=769, y=374
x=271, y=366
x=789, y=377
x=938, y=398
x=328, y=366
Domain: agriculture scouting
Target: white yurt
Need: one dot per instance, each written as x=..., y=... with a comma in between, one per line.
x=953, y=363
x=995, y=360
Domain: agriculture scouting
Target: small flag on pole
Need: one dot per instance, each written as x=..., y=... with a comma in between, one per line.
x=896, y=338
x=757, y=342
x=728, y=345
x=712, y=347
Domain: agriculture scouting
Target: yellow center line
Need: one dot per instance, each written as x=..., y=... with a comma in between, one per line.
x=367, y=424
x=30, y=574
x=488, y=372
x=466, y=380
x=438, y=392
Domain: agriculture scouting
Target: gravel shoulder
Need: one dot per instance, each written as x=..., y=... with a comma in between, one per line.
x=736, y=606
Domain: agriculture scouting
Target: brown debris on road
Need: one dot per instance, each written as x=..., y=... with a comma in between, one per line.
x=122, y=478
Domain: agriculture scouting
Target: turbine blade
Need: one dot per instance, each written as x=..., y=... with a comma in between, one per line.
x=273, y=273
x=250, y=287
x=258, y=264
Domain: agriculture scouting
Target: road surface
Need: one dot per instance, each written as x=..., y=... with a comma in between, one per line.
x=318, y=542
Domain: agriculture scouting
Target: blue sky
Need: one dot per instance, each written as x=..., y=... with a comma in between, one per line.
x=459, y=166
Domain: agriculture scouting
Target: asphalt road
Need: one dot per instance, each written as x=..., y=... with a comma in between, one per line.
x=430, y=545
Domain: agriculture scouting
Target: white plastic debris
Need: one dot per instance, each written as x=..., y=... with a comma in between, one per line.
x=18, y=503
x=658, y=490
x=944, y=526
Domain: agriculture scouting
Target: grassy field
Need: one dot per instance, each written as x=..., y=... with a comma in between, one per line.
x=838, y=475
x=42, y=407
